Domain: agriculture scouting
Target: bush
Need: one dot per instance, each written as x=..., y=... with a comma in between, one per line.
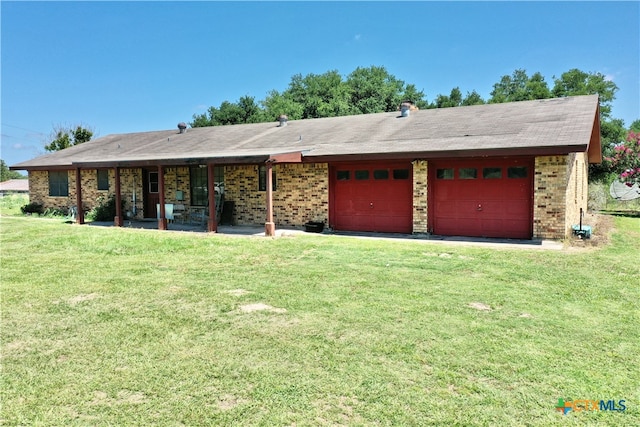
x=32, y=208
x=106, y=209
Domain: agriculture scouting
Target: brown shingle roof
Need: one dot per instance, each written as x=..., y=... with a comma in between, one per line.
x=550, y=126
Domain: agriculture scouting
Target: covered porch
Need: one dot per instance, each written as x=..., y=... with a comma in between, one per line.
x=167, y=207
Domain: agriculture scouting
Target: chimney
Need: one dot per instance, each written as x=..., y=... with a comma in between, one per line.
x=282, y=118
x=182, y=126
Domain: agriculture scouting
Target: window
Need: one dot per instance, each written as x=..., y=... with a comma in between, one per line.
x=262, y=179
x=381, y=174
x=363, y=174
x=58, y=183
x=444, y=173
x=492, y=173
x=343, y=175
x=401, y=174
x=103, y=179
x=468, y=173
x=517, y=172
x=153, y=182
x=198, y=182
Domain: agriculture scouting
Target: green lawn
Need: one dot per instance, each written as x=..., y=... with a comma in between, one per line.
x=107, y=326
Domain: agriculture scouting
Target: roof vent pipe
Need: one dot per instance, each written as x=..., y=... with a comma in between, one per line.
x=182, y=126
x=282, y=118
x=405, y=108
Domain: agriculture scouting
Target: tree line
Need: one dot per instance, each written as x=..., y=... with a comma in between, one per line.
x=374, y=90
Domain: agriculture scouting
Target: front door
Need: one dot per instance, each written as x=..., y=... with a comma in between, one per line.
x=151, y=194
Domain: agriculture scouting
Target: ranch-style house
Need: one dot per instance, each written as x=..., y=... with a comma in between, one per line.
x=513, y=170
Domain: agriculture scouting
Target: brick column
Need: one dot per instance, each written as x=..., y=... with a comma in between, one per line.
x=162, y=221
x=212, y=225
x=269, y=226
x=118, y=220
x=80, y=217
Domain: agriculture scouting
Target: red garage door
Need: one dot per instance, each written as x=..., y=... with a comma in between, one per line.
x=372, y=197
x=486, y=198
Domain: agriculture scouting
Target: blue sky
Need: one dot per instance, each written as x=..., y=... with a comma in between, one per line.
x=122, y=67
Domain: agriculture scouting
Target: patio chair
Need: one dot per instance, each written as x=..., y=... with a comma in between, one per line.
x=179, y=212
x=168, y=211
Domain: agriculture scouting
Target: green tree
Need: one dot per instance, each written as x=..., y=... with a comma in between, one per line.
x=576, y=82
x=321, y=95
x=7, y=174
x=411, y=93
x=245, y=110
x=635, y=126
x=453, y=100
x=65, y=137
x=473, y=98
x=374, y=90
x=277, y=103
x=519, y=87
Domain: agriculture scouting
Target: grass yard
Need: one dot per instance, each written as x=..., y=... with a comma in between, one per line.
x=106, y=326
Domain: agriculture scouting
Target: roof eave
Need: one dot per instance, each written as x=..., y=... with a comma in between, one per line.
x=594, y=151
x=412, y=155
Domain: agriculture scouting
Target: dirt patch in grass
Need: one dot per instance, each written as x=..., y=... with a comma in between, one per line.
x=258, y=306
x=480, y=306
x=81, y=298
x=227, y=402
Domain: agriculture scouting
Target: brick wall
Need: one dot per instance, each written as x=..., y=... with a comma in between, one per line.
x=560, y=190
x=39, y=189
x=91, y=196
x=577, y=188
x=302, y=194
x=420, y=185
x=177, y=179
x=129, y=179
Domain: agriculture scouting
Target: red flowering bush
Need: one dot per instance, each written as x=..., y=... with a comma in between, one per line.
x=625, y=161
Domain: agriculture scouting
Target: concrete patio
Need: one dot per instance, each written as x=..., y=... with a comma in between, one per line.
x=258, y=231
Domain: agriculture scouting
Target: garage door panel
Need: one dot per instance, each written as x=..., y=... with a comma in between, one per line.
x=488, y=197
x=384, y=205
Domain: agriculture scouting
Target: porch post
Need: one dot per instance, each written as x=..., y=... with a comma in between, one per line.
x=80, y=209
x=117, y=221
x=212, y=225
x=162, y=221
x=269, y=226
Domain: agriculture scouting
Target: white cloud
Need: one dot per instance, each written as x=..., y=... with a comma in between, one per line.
x=357, y=37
